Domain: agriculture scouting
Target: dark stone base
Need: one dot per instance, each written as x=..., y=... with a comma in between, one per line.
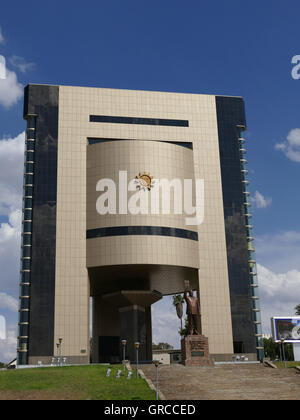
x=195, y=351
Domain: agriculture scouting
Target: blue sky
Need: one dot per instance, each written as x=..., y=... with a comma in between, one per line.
x=215, y=47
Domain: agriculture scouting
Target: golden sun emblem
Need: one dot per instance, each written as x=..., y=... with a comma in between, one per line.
x=145, y=181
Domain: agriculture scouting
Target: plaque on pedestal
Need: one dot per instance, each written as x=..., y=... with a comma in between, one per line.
x=195, y=351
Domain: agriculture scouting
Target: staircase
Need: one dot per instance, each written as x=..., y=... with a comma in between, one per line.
x=226, y=382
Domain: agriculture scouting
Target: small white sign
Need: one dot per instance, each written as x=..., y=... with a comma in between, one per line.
x=2, y=328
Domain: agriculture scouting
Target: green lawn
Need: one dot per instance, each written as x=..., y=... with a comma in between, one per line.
x=73, y=383
x=288, y=364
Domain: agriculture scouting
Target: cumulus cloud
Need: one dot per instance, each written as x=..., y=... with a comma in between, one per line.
x=260, y=201
x=279, y=293
x=12, y=167
x=8, y=302
x=10, y=242
x=165, y=323
x=20, y=63
x=279, y=252
x=8, y=347
x=11, y=91
x=291, y=147
x=11, y=183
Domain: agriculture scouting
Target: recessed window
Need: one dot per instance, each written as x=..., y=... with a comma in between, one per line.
x=136, y=120
x=187, y=145
x=142, y=230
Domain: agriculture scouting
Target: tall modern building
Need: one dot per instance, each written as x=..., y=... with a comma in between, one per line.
x=78, y=136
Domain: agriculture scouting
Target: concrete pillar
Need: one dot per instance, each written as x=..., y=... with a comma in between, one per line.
x=133, y=328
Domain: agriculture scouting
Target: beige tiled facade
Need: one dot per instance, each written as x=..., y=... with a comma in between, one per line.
x=79, y=168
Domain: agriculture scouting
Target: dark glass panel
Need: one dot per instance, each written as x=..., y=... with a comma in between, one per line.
x=30, y=156
x=30, y=145
x=29, y=168
x=26, y=239
x=43, y=101
x=27, y=226
x=26, y=251
x=31, y=122
x=24, y=316
x=231, y=113
x=25, y=303
x=28, y=205
x=142, y=230
x=28, y=179
x=28, y=191
x=25, y=290
x=25, y=277
x=23, y=330
x=27, y=216
x=26, y=264
x=144, y=121
x=22, y=359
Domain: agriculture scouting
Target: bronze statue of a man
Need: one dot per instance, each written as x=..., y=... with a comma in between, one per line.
x=193, y=312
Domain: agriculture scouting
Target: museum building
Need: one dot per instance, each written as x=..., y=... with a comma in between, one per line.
x=123, y=263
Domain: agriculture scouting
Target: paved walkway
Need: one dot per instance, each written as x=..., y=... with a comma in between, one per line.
x=226, y=382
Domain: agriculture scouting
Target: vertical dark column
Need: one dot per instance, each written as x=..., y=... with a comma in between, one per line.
x=133, y=327
x=231, y=117
x=42, y=103
x=148, y=333
x=26, y=247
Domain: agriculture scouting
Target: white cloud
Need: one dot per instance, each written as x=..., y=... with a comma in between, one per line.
x=165, y=323
x=12, y=167
x=260, y=201
x=8, y=302
x=11, y=91
x=20, y=63
x=10, y=243
x=11, y=183
x=279, y=252
x=8, y=347
x=291, y=147
x=1, y=36
x=279, y=293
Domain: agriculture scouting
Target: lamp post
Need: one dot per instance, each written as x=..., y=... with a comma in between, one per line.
x=137, y=346
x=59, y=345
x=283, y=351
x=60, y=340
x=156, y=363
x=58, y=358
x=124, y=342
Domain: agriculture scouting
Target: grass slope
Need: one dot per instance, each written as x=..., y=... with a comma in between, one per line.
x=288, y=364
x=72, y=383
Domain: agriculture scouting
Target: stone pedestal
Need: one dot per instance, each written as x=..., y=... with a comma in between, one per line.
x=195, y=351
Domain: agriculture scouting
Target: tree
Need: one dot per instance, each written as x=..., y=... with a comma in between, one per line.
x=273, y=351
x=162, y=346
x=297, y=310
x=184, y=332
x=178, y=301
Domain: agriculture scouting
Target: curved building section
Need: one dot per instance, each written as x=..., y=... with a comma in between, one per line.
x=147, y=238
